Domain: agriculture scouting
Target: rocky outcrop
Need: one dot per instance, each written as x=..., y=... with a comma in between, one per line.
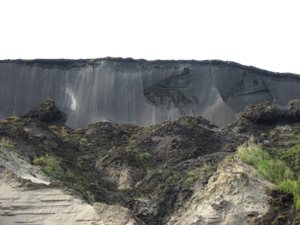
x=47, y=113
x=268, y=112
x=144, y=92
x=260, y=118
x=234, y=195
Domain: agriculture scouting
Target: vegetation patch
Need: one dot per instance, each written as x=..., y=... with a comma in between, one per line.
x=39, y=161
x=83, y=141
x=270, y=107
x=142, y=198
x=11, y=119
x=44, y=170
x=275, y=170
x=47, y=163
x=199, y=172
x=9, y=146
x=277, y=208
x=292, y=186
x=146, y=158
x=189, y=180
x=291, y=103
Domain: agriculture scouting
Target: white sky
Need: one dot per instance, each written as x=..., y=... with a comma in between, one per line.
x=263, y=33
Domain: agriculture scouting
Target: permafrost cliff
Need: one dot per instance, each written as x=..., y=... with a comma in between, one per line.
x=144, y=92
x=176, y=168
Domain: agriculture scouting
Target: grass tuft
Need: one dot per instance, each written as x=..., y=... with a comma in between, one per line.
x=9, y=146
x=274, y=170
x=44, y=170
x=277, y=208
x=291, y=187
x=39, y=161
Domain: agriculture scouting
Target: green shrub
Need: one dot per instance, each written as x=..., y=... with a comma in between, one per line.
x=270, y=107
x=79, y=130
x=189, y=180
x=278, y=208
x=8, y=146
x=291, y=187
x=39, y=161
x=44, y=170
x=146, y=158
x=53, y=166
x=291, y=103
x=14, y=118
x=297, y=199
x=83, y=140
x=129, y=149
x=66, y=140
x=142, y=198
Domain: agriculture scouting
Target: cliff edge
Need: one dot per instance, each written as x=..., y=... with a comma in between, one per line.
x=144, y=92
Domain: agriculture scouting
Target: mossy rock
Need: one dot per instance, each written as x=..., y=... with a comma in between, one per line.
x=11, y=119
x=293, y=102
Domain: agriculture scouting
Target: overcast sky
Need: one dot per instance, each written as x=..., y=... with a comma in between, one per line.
x=261, y=33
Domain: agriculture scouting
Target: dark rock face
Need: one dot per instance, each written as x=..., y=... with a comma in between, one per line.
x=140, y=91
x=266, y=115
x=47, y=113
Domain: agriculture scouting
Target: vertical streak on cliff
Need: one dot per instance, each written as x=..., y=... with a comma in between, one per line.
x=94, y=102
x=144, y=92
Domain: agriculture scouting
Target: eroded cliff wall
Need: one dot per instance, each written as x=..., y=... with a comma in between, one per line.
x=139, y=91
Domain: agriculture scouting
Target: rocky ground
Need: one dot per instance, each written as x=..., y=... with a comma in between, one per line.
x=178, y=172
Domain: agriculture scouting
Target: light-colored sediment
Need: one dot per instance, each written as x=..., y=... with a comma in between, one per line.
x=233, y=195
x=28, y=197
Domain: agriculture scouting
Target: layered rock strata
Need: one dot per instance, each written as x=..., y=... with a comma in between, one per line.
x=144, y=92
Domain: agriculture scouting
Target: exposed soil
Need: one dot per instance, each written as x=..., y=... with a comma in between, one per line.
x=127, y=164
x=278, y=132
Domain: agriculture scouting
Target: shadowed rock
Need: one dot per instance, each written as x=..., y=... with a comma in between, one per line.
x=47, y=113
